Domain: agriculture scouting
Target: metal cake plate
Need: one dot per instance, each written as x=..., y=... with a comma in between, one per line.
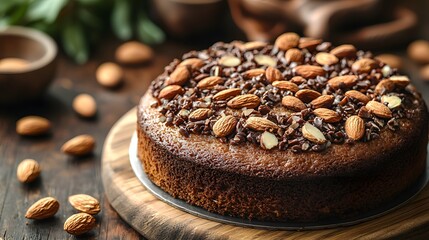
x=289, y=225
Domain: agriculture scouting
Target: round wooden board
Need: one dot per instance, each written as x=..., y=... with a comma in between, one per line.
x=155, y=219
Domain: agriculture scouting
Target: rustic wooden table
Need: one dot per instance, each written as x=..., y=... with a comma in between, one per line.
x=62, y=175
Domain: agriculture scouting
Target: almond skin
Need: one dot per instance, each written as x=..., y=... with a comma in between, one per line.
x=400, y=81
x=307, y=95
x=293, y=103
x=253, y=45
x=309, y=71
x=345, y=50
x=328, y=115
x=260, y=124
x=323, y=58
x=384, y=86
x=42, y=209
x=357, y=95
x=85, y=203
x=253, y=73
x=286, y=85
x=133, y=53
x=294, y=55
x=224, y=126
x=169, y=92
x=324, y=101
x=364, y=65
x=179, y=76
x=79, y=146
x=194, y=63
x=85, y=105
x=227, y=93
x=28, y=170
x=273, y=74
x=378, y=109
x=309, y=43
x=199, y=114
x=342, y=81
x=355, y=127
x=109, y=75
x=287, y=41
x=79, y=223
x=209, y=82
x=246, y=100
x=33, y=126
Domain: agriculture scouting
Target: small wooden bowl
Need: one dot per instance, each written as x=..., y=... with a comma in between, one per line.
x=30, y=82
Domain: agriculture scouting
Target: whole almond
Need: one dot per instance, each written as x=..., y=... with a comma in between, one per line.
x=294, y=55
x=286, y=85
x=342, y=81
x=307, y=95
x=169, y=92
x=328, y=115
x=364, y=65
x=85, y=105
x=229, y=61
x=293, y=103
x=287, y=41
x=323, y=58
x=193, y=63
x=224, y=126
x=79, y=146
x=273, y=74
x=345, y=50
x=309, y=71
x=227, y=93
x=33, y=126
x=400, y=81
x=265, y=60
x=324, y=101
x=109, y=75
x=309, y=43
x=179, y=76
x=209, y=82
x=358, y=96
x=268, y=140
x=246, y=100
x=253, y=73
x=28, y=170
x=355, y=127
x=298, y=80
x=260, y=124
x=392, y=60
x=253, y=45
x=133, y=52
x=79, y=223
x=384, y=86
x=419, y=51
x=199, y=114
x=313, y=134
x=85, y=203
x=42, y=209
x=378, y=109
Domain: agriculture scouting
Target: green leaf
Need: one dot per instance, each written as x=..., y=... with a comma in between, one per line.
x=17, y=16
x=90, y=2
x=148, y=32
x=74, y=41
x=47, y=10
x=89, y=18
x=121, y=22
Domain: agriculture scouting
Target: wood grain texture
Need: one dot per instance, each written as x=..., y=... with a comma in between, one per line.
x=155, y=219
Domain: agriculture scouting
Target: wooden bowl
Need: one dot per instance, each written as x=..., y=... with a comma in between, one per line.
x=29, y=82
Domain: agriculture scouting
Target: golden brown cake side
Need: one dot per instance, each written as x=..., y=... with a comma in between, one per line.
x=199, y=170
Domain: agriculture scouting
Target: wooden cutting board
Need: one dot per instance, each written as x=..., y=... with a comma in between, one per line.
x=155, y=219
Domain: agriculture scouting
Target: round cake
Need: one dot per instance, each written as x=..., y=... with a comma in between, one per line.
x=296, y=131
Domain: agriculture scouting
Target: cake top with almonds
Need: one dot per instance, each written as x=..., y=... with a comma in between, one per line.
x=300, y=94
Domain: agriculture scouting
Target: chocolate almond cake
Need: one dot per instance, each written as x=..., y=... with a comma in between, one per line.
x=295, y=131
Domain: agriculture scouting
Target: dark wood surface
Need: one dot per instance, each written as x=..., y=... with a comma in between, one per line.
x=63, y=176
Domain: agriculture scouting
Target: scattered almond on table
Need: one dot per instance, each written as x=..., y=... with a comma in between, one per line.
x=33, y=126
x=109, y=75
x=79, y=223
x=79, y=146
x=392, y=60
x=133, y=53
x=85, y=203
x=424, y=73
x=85, y=105
x=28, y=170
x=418, y=51
x=44, y=208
